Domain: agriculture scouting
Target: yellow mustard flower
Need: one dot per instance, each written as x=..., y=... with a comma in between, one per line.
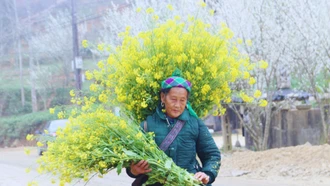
x=228, y=100
x=138, y=9
x=93, y=87
x=27, y=170
x=84, y=43
x=150, y=10
x=157, y=76
x=177, y=17
x=100, y=64
x=239, y=41
x=191, y=18
x=246, y=75
x=155, y=17
x=263, y=64
x=102, y=164
x=246, y=98
x=234, y=73
x=202, y=4
x=39, y=144
x=51, y=110
x=211, y=12
x=139, y=80
x=263, y=103
x=139, y=135
x=123, y=125
x=62, y=182
x=27, y=151
x=215, y=113
x=206, y=89
x=100, y=47
x=53, y=181
x=252, y=81
x=199, y=71
x=88, y=75
x=72, y=94
x=32, y=183
x=73, y=112
x=61, y=115
x=29, y=137
x=170, y=7
x=144, y=104
x=248, y=42
x=103, y=98
x=257, y=94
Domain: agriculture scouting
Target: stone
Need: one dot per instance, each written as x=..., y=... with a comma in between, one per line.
x=237, y=173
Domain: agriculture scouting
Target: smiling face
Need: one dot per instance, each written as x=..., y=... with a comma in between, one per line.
x=175, y=101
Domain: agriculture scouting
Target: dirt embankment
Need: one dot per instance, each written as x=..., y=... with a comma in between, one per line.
x=304, y=162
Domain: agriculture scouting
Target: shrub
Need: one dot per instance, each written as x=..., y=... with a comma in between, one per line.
x=17, y=127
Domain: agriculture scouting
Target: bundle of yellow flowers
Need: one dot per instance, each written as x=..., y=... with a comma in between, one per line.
x=98, y=142
x=210, y=61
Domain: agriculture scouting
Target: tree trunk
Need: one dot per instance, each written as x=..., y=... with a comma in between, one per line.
x=34, y=101
x=49, y=100
x=33, y=85
x=317, y=97
x=226, y=133
x=250, y=129
x=45, y=104
x=325, y=126
x=3, y=103
x=267, y=128
x=18, y=39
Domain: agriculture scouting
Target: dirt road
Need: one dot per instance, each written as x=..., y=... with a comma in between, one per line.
x=13, y=163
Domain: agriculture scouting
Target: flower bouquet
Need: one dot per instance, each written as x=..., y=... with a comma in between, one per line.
x=210, y=61
x=98, y=142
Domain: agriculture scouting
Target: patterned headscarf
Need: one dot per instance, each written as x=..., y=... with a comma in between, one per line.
x=177, y=81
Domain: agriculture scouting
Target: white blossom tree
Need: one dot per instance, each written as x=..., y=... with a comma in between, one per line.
x=308, y=51
x=133, y=15
x=53, y=44
x=290, y=35
x=261, y=29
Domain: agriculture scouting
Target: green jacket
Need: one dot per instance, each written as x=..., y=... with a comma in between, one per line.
x=194, y=138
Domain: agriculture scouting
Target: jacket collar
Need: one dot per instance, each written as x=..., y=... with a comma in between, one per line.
x=185, y=116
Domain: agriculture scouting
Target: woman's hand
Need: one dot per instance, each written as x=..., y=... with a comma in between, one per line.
x=142, y=167
x=201, y=176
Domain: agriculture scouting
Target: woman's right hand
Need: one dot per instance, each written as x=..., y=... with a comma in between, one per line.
x=142, y=167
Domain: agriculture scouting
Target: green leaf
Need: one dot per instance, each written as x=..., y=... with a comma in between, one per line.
x=119, y=167
x=130, y=153
x=168, y=163
x=170, y=178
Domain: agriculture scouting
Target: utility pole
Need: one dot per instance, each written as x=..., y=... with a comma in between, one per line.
x=77, y=61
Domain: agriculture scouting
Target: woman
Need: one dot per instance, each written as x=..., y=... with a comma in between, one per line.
x=193, y=138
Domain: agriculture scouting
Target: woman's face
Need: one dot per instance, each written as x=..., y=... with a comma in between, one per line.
x=175, y=101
